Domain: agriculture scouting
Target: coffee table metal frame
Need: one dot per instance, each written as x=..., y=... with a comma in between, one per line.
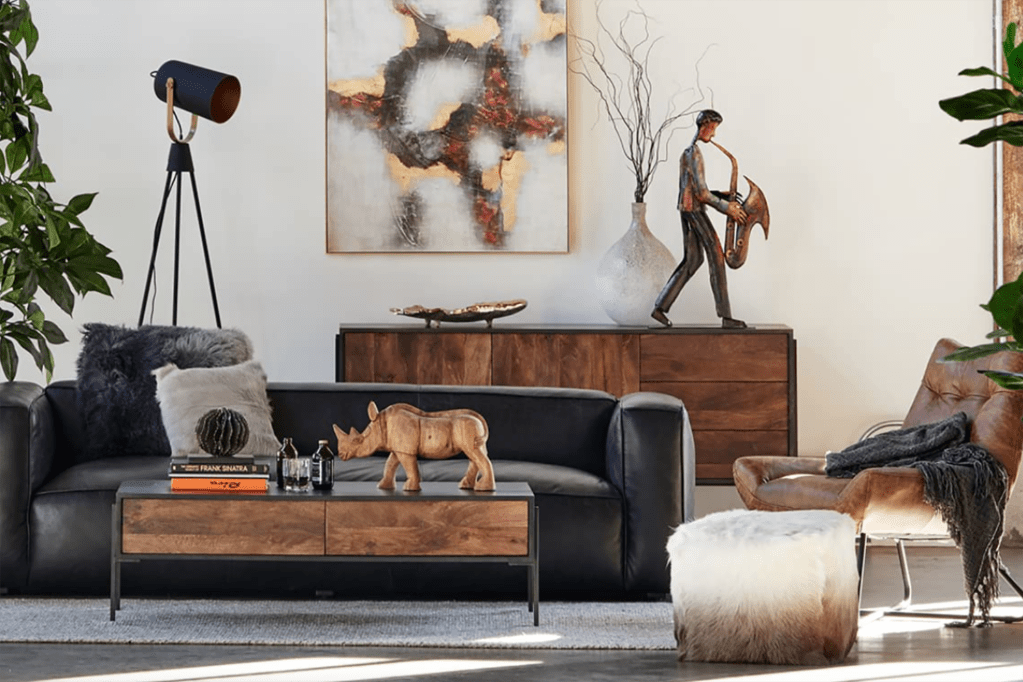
x=342, y=492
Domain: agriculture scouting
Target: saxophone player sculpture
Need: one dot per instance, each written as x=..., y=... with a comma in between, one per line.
x=698, y=234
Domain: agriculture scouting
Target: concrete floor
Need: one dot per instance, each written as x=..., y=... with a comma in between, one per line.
x=896, y=649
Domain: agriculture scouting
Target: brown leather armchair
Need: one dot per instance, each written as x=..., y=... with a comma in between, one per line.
x=889, y=502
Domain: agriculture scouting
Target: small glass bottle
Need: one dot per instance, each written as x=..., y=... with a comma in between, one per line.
x=323, y=467
x=287, y=451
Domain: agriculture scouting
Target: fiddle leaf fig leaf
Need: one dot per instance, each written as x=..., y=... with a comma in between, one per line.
x=982, y=104
x=1010, y=40
x=984, y=71
x=1010, y=133
x=1015, y=63
x=1004, y=302
x=1009, y=380
x=968, y=353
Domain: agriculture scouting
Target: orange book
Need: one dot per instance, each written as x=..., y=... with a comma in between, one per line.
x=217, y=485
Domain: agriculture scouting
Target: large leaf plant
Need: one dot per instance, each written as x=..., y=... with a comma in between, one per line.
x=989, y=103
x=44, y=248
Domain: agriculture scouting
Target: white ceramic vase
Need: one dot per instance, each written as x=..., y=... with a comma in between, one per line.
x=633, y=272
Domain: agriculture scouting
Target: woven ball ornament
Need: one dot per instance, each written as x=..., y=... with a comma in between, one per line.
x=222, y=432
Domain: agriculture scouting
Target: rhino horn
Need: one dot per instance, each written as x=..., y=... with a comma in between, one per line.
x=354, y=433
x=339, y=432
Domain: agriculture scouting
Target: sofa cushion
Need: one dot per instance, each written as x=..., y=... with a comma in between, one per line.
x=185, y=395
x=105, y=474
x=562, y=426
x=548, y=479
x=116, y=388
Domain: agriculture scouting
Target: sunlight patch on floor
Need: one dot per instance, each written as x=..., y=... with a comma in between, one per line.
x=522, y=638
x=943, y=671
x=311, y=669
x=890, y=626
x=199, y=672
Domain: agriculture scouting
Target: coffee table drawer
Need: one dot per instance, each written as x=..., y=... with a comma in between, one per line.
x=228, y=527
x=428, y=528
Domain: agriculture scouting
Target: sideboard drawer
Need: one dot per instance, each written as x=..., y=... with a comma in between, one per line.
x=442, y=528
x=242, y=527
x=715, y=357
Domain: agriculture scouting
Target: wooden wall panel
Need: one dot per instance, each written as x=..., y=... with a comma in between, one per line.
x=715, y=357
x=230, y=527
x=450, y=528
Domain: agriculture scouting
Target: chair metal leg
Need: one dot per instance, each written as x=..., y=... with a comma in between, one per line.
x=907, y=583
x=866, y=615
x=1008, y=578
x=902, y=608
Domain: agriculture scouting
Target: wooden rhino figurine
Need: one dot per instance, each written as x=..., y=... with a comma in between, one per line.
x=406, y=432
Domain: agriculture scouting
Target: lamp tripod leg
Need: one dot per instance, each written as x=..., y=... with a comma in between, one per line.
x=205, y=249
x=157, y=231
x=177, y=250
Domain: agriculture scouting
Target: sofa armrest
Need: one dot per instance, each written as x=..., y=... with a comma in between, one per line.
x=651, y=460
x=27, y=442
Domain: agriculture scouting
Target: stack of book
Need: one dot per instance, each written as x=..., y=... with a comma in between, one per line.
x=205, y=473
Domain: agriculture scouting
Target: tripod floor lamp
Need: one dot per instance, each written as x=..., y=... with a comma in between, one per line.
x=201, y=92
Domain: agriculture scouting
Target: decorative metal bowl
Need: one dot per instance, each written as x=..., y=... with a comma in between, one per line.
x=472, y=313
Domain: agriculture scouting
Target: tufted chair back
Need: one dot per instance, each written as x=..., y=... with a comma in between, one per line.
x=950, y=387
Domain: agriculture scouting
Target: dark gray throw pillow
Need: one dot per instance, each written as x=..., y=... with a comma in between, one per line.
x=117, y=389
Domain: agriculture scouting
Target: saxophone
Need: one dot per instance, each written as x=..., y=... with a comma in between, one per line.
x=755, y=205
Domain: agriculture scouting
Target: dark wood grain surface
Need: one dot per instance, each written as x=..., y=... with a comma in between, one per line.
x=737, y=385
x=232, y=527
x=427, y=528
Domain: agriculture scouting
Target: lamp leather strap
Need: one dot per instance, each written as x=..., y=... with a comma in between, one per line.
x=170, y=117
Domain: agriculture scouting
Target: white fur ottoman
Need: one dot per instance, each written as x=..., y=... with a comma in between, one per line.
x=765, y=587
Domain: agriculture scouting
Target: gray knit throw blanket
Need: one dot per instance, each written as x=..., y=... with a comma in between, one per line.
x=962, y=481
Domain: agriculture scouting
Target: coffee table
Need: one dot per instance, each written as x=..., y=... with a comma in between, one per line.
x=355, y=521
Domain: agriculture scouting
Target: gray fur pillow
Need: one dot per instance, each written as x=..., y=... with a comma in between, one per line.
x=117, y=390
x=185, y=395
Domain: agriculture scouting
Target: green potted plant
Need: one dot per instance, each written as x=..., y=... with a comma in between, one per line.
x=44, y=248
x=1006, y=304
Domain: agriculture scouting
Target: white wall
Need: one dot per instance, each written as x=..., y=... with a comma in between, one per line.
x=881, y=236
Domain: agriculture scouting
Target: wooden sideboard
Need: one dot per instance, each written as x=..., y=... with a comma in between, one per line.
x=738, y=385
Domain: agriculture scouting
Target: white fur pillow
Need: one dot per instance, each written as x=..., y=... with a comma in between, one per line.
x=185, y=395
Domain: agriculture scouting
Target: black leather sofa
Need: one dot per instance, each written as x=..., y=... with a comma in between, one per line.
x=612, y=478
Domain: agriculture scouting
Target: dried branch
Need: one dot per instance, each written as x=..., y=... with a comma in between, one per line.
x=628, y=103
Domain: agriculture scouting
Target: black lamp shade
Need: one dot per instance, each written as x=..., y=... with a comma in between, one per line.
x=203, y=92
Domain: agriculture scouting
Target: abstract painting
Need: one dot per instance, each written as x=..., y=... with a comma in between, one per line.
x=446, y=126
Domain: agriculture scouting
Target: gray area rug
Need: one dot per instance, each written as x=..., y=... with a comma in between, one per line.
x=495, y=625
